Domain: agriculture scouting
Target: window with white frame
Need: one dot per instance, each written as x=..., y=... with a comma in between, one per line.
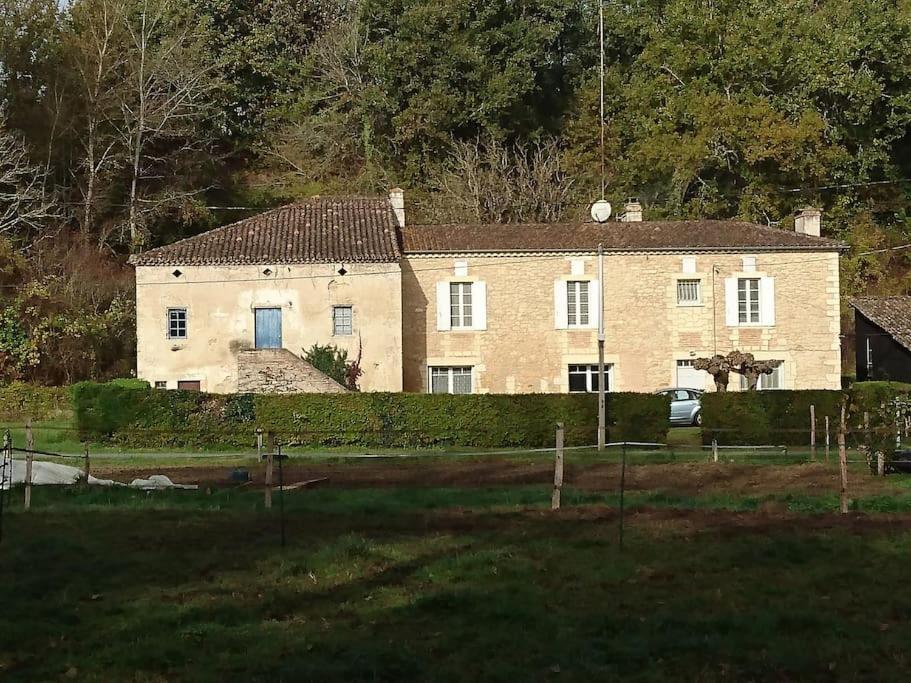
x=450, y=380
x=688, y=292
x=460, y=305
x=773, y=381
x=342, y=321
x=177, y=323
x=748, y=300
x=869, y=355
x=584, y=378
x=161, y=384
x=577, y=303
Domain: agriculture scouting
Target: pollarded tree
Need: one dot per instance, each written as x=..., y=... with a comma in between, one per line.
x=720, y=368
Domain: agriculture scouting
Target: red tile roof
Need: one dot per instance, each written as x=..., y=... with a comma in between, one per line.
x=702, y=235
x=318, y=230
x=364, y=230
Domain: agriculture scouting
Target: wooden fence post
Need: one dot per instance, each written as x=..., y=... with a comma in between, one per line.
x=88, y=469
x=269, y=458
x=714, y=450
x=29, y=436
x=28, y=480
x=880, y=464
x=812, y=432
x=843, y=461
x=558, y=469
x=827, y=439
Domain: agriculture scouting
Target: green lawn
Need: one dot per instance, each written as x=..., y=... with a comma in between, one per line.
x=453, y=585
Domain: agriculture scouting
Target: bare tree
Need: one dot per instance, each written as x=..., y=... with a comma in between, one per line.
x=492, y=182
x=168, y=83
x=336, y=135
x=25, y=207
x=96, y=48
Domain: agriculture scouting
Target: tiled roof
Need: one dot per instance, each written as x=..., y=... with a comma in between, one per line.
x=891, y=313
x=318, y=230
x=703, y=235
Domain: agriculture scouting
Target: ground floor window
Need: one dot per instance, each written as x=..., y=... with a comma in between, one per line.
x=773, y=381
x=161, y=385
x=584, y=378
x=450, y=380
x=189, y=385
x=688, y=376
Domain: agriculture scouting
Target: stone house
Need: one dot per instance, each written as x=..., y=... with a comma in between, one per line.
x=485, y=308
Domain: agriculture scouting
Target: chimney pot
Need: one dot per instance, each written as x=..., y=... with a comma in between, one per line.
x=808, y=222
x=397, y=200
x=632, y=211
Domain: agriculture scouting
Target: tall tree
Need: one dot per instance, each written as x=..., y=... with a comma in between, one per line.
x=168, y=88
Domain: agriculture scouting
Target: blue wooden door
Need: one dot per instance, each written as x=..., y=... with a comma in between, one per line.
x=268, y=330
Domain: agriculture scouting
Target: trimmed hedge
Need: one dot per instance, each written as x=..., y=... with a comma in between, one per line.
x=783, y=417
x=149, y=418
x=764, y=417
x=20, y=401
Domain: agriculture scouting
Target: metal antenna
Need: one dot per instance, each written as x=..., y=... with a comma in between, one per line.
x=601, y=43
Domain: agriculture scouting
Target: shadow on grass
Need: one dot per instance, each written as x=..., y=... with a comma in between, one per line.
x=374, y=585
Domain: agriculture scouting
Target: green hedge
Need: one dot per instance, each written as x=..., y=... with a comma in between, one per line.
x=151, y=418
x=783, y=417
x=20, y=402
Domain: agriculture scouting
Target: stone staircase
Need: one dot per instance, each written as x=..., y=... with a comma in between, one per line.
x=278, y=371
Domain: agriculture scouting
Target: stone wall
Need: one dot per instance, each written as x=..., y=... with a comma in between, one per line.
x=278, y=371
x=221, y=302
x=647, y=332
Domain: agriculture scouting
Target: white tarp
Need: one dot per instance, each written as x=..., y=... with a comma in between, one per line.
x=50, y=473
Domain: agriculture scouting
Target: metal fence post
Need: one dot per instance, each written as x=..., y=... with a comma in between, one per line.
x=6, y=461
x=270, y=446
x=827, y=439
x=843, y=461
x=281, y=492
x=812, y=432
x=622, y=490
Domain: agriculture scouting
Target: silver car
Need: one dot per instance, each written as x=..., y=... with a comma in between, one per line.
x=686, y=408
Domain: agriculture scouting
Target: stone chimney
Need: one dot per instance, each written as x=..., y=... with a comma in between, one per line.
x=632, y=211
x=808, y=222
x=397, y=199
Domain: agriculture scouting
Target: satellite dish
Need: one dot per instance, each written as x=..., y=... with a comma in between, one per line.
x=601, y=211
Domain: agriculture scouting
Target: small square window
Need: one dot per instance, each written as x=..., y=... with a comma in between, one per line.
x=161, y=385
x=342, y=321
x=177, y=323
x=688, y=292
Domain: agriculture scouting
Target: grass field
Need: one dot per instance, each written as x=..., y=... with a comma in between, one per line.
x=408, y=573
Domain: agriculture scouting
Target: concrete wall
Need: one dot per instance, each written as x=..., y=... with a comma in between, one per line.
x=646, y=331
x=220, y=301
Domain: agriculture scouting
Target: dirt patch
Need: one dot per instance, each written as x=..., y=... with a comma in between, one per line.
x=684, y=478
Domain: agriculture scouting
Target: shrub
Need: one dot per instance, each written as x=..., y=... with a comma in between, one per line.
x=20, y=401
x=783, y=417
x=149, y=418
x=766, y=417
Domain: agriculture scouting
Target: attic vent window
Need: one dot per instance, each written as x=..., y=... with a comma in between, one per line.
x=176, y=273
x=267, y=272
x=342, y=271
